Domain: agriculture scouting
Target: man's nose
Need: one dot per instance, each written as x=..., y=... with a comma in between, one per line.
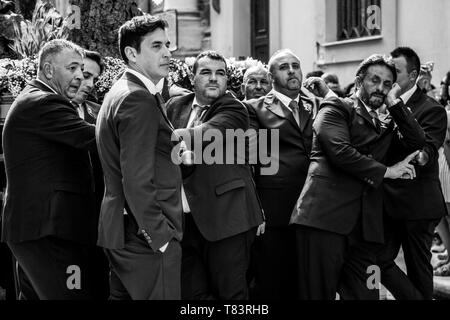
x=79, y=74
x=167, y=53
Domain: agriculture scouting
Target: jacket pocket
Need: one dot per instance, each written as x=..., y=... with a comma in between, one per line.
x=230, y=185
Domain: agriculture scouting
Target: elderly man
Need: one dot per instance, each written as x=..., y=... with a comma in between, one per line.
x=288, y=110
x=338, y=218
x=256, y=82
x=49, y=218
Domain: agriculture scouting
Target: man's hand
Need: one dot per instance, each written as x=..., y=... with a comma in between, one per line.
x=393, y=95
x=175, y=91
x=403, y=169
x=261, y=229
x=317, y=86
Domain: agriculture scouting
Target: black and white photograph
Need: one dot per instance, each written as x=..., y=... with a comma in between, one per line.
x=231, y=156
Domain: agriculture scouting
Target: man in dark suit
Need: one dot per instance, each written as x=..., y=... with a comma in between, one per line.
x=48, y=219
x=88, y=110
x=140, y=218
x=221, y=209
x=339, y=212
x=285, y=110
x=414, y=208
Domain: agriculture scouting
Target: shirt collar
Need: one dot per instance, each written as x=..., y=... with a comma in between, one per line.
x=151, y=87
x=196, y=103
x=408, y=94
x=285, y=100
x=42, y=82
x=369, y=110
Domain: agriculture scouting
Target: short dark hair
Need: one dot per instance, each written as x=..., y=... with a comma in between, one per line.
x=96, y=57
x=213, y=55
x=133, y=31
x=411, y=57
x=330, y=77
x=315, y=73
x=54, y=47
x=376, y=60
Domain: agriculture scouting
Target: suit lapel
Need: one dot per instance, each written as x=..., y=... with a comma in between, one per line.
x=183, y=112
x=306, y=106
x=412, y=103
x=362, y=112
x=275, y=106
x=131, y=77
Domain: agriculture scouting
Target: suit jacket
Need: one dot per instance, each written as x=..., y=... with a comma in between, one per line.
x=420, y=198
x=49, y=176
x=279, y=192
x=346, y=171
x=222, y=197
x=133, y=139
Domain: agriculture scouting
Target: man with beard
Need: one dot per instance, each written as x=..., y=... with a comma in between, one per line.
x=48, y=219
x=414, y=208
x=339, y=213
x=286, y=110
x=256, y=83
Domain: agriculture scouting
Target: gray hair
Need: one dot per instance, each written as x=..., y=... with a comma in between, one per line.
x=55, y=46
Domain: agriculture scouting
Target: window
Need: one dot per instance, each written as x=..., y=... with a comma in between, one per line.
x=358, y=18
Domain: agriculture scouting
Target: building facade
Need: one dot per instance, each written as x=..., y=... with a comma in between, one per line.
x=333, y=35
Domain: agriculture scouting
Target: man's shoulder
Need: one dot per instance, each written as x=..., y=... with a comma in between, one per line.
x=343, y=104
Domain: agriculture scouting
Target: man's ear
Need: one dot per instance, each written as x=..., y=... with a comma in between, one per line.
x=48, y=70
x=358, y=82
x=243, y=89
x=130, y=53
x=413, y=76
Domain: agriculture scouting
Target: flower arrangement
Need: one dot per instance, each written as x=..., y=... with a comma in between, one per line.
x=15, y=74
x=113, y=70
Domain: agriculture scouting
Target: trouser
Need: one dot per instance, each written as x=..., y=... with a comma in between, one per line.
x=214, y=269
x=415, y=237
x=274, y=265
x=139, y=273
x=330, y=263
x=51, y=268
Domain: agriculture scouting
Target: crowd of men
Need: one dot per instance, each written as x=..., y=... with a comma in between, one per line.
x=97, y=208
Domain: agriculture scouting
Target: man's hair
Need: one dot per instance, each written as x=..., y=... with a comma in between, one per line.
x=330, y=77
x=133, y=31
x=411, y=57
x=259, y=68
x=213, y=55
x=376, y=60
x=278, y=52
x=315, y=73
x=96, y=57
x=55, y=46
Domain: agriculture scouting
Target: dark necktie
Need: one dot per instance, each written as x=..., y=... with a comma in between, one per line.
x=199, y=113
x=161, y=102
x=376, y=119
